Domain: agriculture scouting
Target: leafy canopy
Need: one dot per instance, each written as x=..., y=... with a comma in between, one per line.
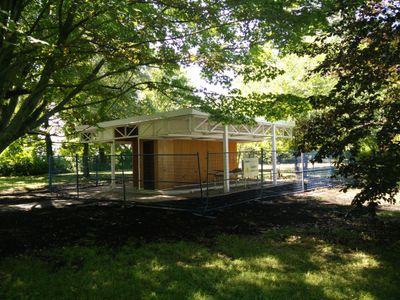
x=55, y=51
x=360, y=115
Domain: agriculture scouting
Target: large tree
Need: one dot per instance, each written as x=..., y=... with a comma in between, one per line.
x=52, y=51
x=359, y=121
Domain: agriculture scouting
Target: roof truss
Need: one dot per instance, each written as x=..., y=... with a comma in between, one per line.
x=205, y=126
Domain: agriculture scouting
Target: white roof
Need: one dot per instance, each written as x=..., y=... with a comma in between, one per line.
x=165, y=115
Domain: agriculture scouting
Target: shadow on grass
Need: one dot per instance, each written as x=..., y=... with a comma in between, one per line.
x=279, y=264
x=280, y=250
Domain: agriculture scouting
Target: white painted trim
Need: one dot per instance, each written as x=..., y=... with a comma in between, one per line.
x=273, y=155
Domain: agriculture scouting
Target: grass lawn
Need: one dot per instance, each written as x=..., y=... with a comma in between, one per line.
x=24, y=183
x=285, y=263
x=13, y=183
x=298, y=247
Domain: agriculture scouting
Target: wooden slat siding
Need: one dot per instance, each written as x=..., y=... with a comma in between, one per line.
x=216, y=159
x=164, y=165
x=185, y=168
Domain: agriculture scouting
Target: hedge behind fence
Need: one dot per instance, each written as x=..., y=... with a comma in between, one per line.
x=21, y=166
x=24, y=157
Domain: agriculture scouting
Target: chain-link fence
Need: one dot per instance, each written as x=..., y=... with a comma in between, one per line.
x=188, y=181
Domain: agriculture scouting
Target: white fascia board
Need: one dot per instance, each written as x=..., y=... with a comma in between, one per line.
x=158, y=116
x=84, y=128
x=140, y=119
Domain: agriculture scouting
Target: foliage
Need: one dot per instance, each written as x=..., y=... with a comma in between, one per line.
x=55, y=51
x=361, y=114
x=138, y=102
x=294, y=78
x=278, y=89
x=281, y=264
x=282, y=146
x=24, y=157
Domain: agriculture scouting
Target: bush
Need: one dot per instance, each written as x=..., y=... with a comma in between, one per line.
x=23, y=166
x=22, y=158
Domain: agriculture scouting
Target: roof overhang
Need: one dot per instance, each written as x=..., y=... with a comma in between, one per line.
x=185, y=123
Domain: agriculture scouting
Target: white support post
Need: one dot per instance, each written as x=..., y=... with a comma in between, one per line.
x=273, y=155
x=225, y=143
x=113, y=164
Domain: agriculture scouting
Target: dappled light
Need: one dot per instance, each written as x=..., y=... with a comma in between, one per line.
x=21, y=184
x=267, y=266
x=295, y=247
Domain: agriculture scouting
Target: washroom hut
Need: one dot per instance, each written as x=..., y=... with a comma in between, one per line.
x=170, y=148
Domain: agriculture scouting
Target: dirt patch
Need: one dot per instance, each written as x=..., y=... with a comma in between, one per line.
x=112, y=225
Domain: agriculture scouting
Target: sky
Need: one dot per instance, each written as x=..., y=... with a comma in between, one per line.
x=193, y=73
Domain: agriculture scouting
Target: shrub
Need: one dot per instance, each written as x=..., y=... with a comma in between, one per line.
x=23, y=158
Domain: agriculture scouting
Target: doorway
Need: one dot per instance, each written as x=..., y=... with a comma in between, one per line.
x=148, y=165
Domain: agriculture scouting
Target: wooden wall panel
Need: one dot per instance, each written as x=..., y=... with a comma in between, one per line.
x=173, y=170
x=164, y=164
x=186, y=167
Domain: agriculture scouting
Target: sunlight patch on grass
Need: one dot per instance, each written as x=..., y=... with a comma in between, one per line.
x=343, y=276
x=15, y=183
x=281, y=264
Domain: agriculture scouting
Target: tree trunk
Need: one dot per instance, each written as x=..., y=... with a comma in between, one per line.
x=4, y=143
x=6, y=139
x=49, y=145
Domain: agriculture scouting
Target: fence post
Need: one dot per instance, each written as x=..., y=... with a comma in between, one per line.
x=123, y=179
x=330, y=172
x=77, y=174
x=262, y=172
x=96, y=161
x=302, y=170
x=113, y=164
x=139, y=167
x=50, y=174
x=207, y=181
x=201, y=183
x=225, y=144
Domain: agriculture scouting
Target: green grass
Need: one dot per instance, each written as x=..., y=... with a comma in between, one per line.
x=389, y=214
x=280, y=264
x=22, y=182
